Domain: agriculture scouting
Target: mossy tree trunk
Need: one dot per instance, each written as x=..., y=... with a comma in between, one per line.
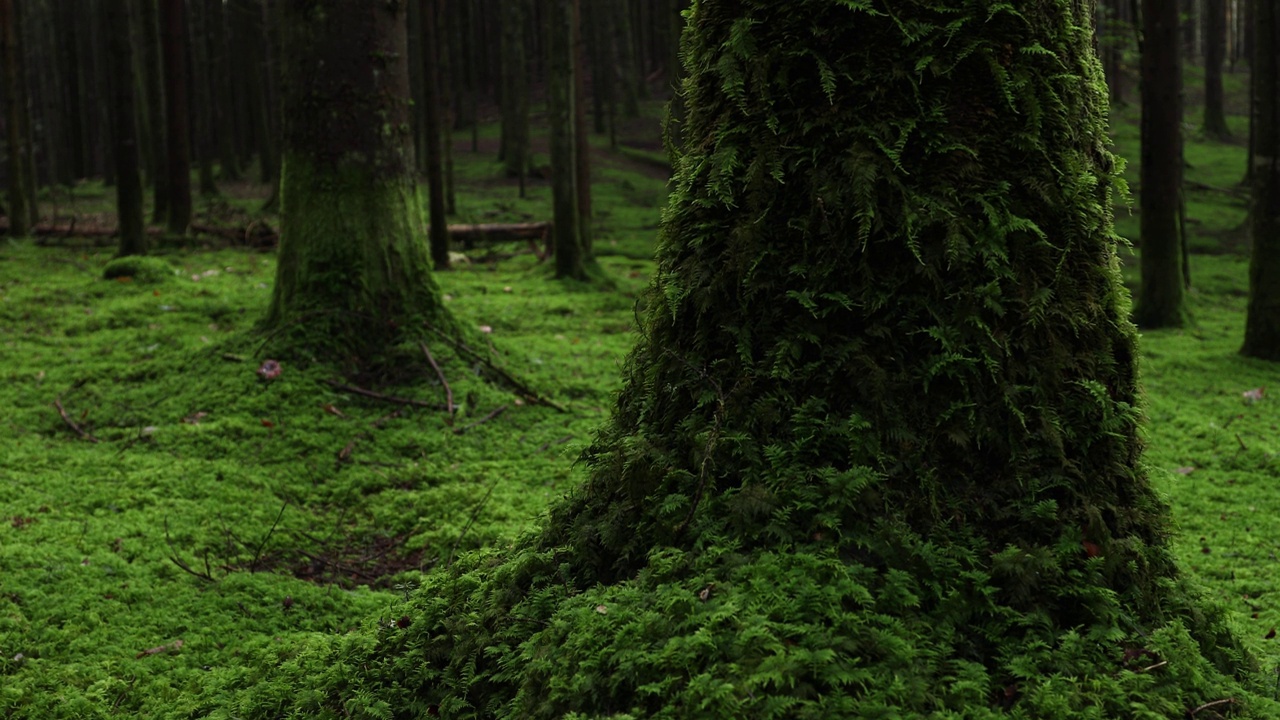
x=1160, y=297
x=354, y=270
x=1262, y=326
x=124, y=128
x=566, y=238
x=1215, y=50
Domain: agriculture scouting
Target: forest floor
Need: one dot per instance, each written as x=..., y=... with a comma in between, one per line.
x=166, y=510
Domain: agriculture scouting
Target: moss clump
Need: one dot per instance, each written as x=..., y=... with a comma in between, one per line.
x=142, y=268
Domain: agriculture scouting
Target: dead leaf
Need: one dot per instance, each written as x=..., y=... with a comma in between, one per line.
x=171, y=647
x=329, y=408
x=267, y=423
x=1187, y=470
x=195, y=417
x=1091, y=549
x=602, y=610
x=1254, y=395
x=705, y=593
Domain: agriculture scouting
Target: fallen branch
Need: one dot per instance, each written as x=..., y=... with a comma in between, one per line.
x=379, y=396
x=257, y=554
x=1215, y=703
x=502, y=374
x=71, y=423
x=448, y=392
x=533, y=232
x=492, y=414
x=173, y=556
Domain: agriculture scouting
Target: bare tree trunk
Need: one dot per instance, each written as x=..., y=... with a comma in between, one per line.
x=1262, y=324
x=174, y=45
x=133, y=239
x=560, y=115
x=1160, y=297
x=20, y=201
x=1215, y=38
x=152, y=80
x=439, y=224
x=581, y=138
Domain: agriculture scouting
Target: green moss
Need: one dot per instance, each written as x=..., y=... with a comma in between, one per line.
x=139, y=268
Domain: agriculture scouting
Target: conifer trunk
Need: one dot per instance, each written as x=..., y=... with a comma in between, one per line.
x=354, y=271
x=560, y=115
x=1160, y=297
x=1215, y=47
x=133, y=239
x=173, y=42
x=20, y=199
x=1262, y=325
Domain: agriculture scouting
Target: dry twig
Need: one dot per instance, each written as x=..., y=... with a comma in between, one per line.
x=492, y=414
x=71, y=423
x=448, y=392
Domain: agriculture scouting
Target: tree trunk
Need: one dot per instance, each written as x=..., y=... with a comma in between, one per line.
x=581, y=136
x=1215, y=39
x=152, y=79
x=1262, y=325
x=439, y=232
x=1160, y=297
x=174, y=47
x=354, y=271
x=20, y=200
x=133, y=239
x=878, y=449
x=560, y=115
x=628, y=77
x=515, y=90
x=223, y=91
x=204, y=106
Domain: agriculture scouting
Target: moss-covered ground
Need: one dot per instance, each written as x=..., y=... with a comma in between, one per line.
x=167, y=511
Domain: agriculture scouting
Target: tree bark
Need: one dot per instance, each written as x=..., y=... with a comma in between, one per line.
x=1160, y=298
x=153, y=81
x=560, y=115
x=20, y=201
x=174, y=49
x=354, y=271
x=439, y=233
x=581, y=136
x=1262, y=323
x=1215, y=40
x=133, y=239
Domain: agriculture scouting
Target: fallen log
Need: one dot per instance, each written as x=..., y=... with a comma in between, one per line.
x=468, y=236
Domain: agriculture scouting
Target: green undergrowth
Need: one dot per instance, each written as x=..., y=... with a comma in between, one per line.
x=234, y=546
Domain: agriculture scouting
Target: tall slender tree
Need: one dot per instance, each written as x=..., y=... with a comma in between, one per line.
x=1262, y=324
x=581, y=136
x=566, y=240
x=439, y=224
x=20, y=198
x=173, y=42
x=354, y=271
x=1215, y=47
x=153, y=85
x=124, y=126
x=1160, y=298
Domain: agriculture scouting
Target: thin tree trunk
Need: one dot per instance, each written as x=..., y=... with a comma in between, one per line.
x=20, y=201
x=439, y=224
x=133, y=239
x=560, y=115
x=1262, y=323
x=1215, y=38
x=1160, y=297
x=174, y=46
x=152, y=79
x=581, y=136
